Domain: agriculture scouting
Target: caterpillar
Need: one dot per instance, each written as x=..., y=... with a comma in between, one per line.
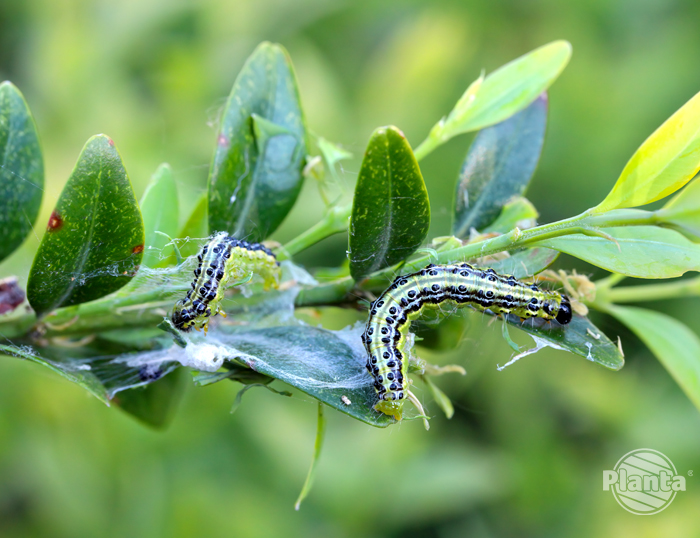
x=460, y=284
x=222, y=260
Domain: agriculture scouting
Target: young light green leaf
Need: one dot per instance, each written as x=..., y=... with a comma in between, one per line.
x=391, y=211
x=506, y=336
x=524, y=263
x=332, y=154
x=683, y=211
x=21, y=170
x=499, y=166
x=318, y=445
x=518, y=212
x=673, y=343
x=666, y=161
x=637, y=251
x=159, y=207
x=256, y=173
x=441, y=399
x=94, y=241
x=504, y=92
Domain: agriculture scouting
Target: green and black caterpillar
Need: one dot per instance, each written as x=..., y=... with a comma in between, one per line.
x=222, y=261
x=459, y=284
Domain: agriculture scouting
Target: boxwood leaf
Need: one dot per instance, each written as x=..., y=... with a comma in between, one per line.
x=517, y=212
x=498, y=166
x=95, y=238
x=666, y=161
x=525, y=263
x=327, y=365
x=160, y=210
x=579, y=336
x=256, y=173
x=637, y=251
x=390, y=211
x=673, y=343
x=21, y=170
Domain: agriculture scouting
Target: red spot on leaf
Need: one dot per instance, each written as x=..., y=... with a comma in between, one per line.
x=110, y=141
x=138, y=249
x=55, y=222
x=222, y=141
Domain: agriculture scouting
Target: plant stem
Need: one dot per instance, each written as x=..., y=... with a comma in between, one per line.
x=426, y=147
x=130, y=307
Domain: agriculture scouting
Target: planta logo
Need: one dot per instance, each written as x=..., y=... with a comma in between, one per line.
x=644, y=481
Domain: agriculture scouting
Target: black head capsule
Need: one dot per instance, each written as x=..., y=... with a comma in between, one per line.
x=564, y=315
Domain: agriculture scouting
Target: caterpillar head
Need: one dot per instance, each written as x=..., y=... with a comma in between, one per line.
x=564, y=315
x=183, y=318
x=390, y=407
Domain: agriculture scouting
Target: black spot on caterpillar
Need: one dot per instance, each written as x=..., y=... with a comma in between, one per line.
x=460, y=284
x=223, y=260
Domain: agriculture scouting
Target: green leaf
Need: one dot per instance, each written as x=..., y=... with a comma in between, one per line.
x=159, y=207
x=525, y=263
x=21, y=170
x=154, y=404
x=666, y=161
x=517, y=212
x=579, y=336
x=332, y=154
x=316, y=361
x=318, y=445
x=391, y=211
x=683, y=211
x=94, y=241
x=196, y=227
x=504, y=92
x=498, y=166
x=673, y=343
x=637, y=251
x=441, y=399
x=256, y=173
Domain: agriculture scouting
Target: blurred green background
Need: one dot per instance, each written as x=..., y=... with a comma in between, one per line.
x=525, y=452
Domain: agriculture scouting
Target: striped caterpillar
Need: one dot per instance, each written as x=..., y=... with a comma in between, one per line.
x=222, y=261
x=459, y=284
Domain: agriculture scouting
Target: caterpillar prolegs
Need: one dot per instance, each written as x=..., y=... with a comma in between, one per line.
x=459, y=284
x=222, y=261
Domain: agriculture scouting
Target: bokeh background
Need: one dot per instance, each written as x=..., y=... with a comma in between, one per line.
x=525, y=451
